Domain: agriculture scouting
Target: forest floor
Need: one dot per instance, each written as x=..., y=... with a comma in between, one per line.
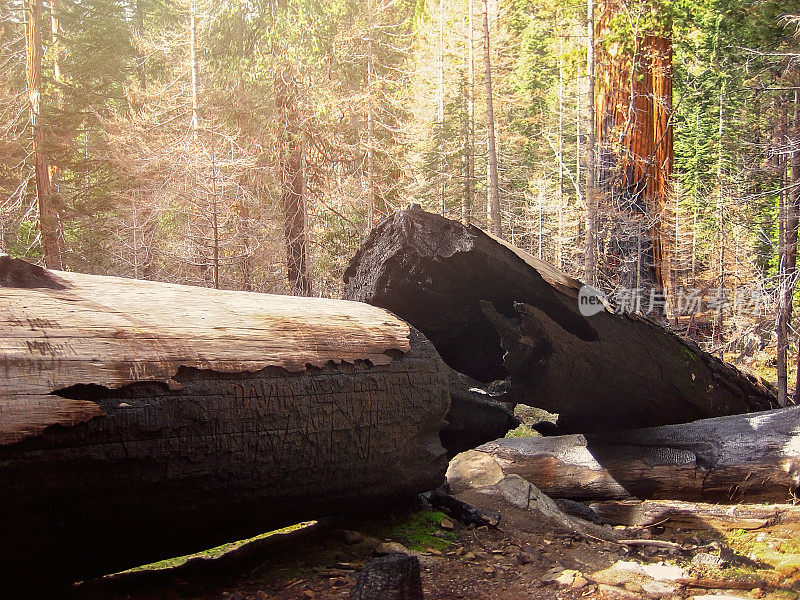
x=526, y=557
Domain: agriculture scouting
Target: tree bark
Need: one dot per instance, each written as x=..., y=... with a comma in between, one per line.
x=604, y=371
x=635, y=136
x=48, y=214
x=495, y=220
x=132, y=430
x=475, y=416
x=726, y=459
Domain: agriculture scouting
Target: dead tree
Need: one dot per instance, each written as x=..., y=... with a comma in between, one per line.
x=754, y=457
x=495, y=312
x=142, y=420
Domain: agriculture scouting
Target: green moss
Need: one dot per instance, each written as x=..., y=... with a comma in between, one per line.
x=212, y=553
x=523, y=431
x=417, y=529
x=782, y=553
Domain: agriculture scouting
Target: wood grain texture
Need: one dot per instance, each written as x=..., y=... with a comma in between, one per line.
x=726, y=459
x=61, y=329
x=224, y=415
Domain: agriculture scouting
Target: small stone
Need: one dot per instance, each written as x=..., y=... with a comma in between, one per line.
x=615, y=593
x=488, y=569
x=308, y=594
x=352, y=537
x=470, y=555
x=580, y=582
x=706, y=559
x=524, y=558
x=433, y=551
x=459, y=550
x=387, y=548
x=447, y=524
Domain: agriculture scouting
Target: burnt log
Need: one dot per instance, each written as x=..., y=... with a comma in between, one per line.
x=495, y=312
x=475, y=416
x=142, y=420
x=393, y=577
x=753, y=457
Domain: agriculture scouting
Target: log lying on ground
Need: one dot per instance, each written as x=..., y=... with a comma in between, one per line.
x=142, y=420
x=475, y=417
x=695, y=515
x=754, y=457
x=599, y=372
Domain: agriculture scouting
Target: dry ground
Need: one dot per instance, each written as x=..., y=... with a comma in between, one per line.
x=512, y=562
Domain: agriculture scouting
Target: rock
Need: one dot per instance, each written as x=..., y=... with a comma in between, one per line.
x=470, y=555
x=524, y=558
x=580, y=582
x=392, y=577
x=611, y=592
x=352, y=537
x=656, y=579
x=447, y=524
x=708, y=560
x=387, y=548
x=473, y=469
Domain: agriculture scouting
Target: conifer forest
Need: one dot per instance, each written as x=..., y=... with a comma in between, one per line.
x=251, y=145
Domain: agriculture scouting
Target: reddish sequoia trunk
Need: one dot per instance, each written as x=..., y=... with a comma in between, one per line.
x=635, y=135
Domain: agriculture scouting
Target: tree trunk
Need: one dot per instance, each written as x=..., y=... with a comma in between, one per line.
x=293, y=200
x=634, y=129
x=693, y=515
x=195, y=119
x=590, y=248
x=138, y=31
x=795, y=205
x=603, y=371
x=494, y=186
x=149, y=420
x=727, y=459
x=48, y=214
x=787, y=250
x=475, y=416
x=469, y=154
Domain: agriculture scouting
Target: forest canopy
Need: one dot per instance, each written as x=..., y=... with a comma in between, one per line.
x=641, y=145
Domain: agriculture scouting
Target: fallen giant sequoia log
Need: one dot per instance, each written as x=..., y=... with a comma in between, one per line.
x=142, y=420
x=754, y=457
x=461, y=286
